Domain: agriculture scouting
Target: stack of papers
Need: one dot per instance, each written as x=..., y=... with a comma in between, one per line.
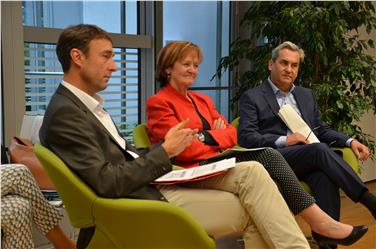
x=296, y=124
x=51, y=195
x=196, y=173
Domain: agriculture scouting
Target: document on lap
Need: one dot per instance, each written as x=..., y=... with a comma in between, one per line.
x=197, y=173
x=296, y=124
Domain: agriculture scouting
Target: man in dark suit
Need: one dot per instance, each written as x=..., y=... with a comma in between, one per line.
x=82, y=134
x=315, y=163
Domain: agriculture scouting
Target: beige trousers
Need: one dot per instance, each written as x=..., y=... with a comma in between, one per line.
x=248, y=203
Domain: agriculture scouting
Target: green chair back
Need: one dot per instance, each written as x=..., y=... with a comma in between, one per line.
x=122, y=222
x=141, y=137
x=235, y=123
x=77, y=196
x=349, y=156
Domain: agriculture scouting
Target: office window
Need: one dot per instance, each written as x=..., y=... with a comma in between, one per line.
x=43, y=72
x=205, y=23
x=113, y=16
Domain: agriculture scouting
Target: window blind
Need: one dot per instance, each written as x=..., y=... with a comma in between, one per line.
x=43, y=73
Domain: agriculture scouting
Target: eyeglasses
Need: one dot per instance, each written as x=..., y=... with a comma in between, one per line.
x=311, y=132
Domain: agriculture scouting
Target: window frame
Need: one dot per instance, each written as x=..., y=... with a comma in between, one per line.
x=13, y=77
x=150, y=30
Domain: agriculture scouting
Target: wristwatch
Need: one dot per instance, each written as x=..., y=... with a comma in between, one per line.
x=201, y=137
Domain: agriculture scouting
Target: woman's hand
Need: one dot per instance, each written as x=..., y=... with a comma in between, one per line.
x=219, y=124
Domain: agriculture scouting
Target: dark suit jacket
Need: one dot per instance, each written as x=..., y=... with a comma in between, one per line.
x=260, y=125
x=73, y=133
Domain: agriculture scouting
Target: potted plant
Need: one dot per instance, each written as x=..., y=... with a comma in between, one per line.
x=337, y=66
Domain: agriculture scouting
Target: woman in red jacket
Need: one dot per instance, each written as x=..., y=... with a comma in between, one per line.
x=177, y=69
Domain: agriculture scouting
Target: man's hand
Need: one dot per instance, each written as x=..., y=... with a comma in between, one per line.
x=296, y=138
x=219, y=124
x=361, y=151
x=178, y=138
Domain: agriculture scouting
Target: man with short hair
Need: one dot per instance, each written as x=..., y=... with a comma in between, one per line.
x=319, y=166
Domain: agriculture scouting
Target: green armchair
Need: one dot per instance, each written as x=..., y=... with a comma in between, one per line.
x=346, y=153
x=141, y=140
x=122, y=223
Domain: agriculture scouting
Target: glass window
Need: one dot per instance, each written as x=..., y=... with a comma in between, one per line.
x=118, y=17
x=205, y=23
x=43, y=72
x=219, y=98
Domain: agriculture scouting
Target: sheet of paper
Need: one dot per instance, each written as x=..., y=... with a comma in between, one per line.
x=295, y=123
x=197, y=172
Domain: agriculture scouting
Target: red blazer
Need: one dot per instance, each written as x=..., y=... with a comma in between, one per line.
x=169, y=107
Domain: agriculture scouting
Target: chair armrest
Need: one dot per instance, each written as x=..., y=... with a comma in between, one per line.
x=134, y=223
x=349, y=156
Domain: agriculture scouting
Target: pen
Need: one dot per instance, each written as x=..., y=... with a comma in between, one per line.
x=311, y=132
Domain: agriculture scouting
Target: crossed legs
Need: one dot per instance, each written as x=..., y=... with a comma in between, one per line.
x=22, y=204
x=325, y=172
x=260, y=212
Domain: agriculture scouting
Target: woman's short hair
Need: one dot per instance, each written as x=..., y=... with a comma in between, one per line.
x=171, y=53
x=287, y=45
x=77, y=36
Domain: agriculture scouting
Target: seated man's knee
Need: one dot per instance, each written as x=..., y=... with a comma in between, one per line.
x=320, y=147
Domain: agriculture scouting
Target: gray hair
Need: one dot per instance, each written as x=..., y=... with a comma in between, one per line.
x=287, y=45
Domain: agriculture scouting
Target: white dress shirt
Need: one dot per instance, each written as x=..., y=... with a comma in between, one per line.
x=95, y=105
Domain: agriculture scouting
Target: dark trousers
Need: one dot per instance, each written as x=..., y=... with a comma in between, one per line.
x=325, y=172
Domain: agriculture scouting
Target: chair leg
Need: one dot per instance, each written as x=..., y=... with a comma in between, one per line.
x=314, y=244
x=234, y=242
x=100, y=240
